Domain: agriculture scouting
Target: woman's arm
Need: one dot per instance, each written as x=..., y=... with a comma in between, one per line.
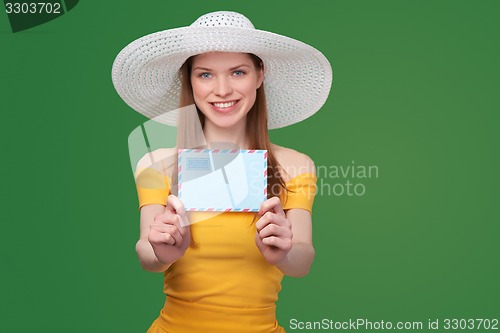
x=164, y=235
x=301, y=256
x=147, y=257
x=285, y=240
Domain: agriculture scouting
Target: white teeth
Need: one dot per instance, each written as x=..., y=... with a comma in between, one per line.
x=224, y=105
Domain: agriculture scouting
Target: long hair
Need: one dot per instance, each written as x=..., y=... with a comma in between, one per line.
x=256, y=124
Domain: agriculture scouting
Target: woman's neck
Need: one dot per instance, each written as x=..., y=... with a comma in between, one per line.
x=235, y=135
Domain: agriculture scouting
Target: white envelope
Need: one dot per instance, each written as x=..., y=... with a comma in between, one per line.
x=222, y=180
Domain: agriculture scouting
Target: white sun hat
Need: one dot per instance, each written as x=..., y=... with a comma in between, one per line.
x=297, y=77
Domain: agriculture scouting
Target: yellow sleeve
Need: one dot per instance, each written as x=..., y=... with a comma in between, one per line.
x=152, y=187
x=301, y=192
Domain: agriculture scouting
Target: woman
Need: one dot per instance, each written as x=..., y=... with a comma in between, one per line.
x=223, y=274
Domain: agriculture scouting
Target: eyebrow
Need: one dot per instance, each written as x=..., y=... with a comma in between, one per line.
x=230, y=69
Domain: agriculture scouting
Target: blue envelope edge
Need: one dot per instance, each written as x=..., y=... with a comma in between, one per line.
x=222, y=180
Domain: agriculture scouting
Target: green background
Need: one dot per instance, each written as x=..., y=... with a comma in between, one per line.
x=415, y=92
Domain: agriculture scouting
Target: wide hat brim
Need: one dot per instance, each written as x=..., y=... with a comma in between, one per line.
x=297, y=77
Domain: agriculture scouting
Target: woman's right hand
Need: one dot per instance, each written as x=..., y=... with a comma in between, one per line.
x=170, y=233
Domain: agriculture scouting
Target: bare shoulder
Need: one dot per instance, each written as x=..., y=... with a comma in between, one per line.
x=292, y=162
x=160, y=159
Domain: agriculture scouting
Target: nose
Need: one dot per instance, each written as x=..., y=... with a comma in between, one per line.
x=223, y=87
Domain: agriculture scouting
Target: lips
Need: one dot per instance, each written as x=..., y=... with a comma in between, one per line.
x=225, y=106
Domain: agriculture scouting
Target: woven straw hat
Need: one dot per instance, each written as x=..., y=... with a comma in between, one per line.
x=297, y=77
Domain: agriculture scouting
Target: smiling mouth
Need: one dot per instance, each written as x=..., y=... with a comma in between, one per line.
x=224, y=105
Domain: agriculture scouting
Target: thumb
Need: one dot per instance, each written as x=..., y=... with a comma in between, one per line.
x=175, y=205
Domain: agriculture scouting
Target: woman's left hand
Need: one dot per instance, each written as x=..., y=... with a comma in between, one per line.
x=274, y=231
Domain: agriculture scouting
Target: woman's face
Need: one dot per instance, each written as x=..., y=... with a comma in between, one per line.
x=225, y=86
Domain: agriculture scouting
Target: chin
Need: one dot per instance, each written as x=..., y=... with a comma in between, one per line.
x=224, y=123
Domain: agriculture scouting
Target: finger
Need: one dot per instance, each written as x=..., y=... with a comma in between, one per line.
x=162, y=217
x=258, y=242
x=166, y=218
x=176, y=235
x=280, y=243
x=180, y=223
x=264, y=221
x=270, y=217
x=272, y=205
x=157, y=237
x=169, y=239
x=275, y=230
x=170, y=229
x=175, y=205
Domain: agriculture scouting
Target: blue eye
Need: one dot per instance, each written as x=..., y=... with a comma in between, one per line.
x=205, y=75
x=238, y=73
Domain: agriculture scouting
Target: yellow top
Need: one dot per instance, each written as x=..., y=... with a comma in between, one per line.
x=223, y=283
